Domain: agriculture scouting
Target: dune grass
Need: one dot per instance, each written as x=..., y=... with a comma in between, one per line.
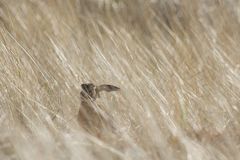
x=177, y=64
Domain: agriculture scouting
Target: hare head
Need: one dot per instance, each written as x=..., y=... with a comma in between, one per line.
x=90, y=91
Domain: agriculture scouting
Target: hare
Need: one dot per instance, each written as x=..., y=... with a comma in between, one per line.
x=90, y=116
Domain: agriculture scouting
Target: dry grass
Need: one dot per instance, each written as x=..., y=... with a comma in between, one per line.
x=177, y=64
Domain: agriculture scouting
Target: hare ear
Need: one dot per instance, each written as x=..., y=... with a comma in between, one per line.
x=84, y=86
x=107, y=87
x=87, y=86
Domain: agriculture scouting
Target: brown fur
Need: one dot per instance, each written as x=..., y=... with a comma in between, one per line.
x=90, y=117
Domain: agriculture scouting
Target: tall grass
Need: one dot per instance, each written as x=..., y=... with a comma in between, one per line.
x=177, y=64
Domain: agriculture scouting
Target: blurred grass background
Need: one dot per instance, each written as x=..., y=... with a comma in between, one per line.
x=177, y=64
